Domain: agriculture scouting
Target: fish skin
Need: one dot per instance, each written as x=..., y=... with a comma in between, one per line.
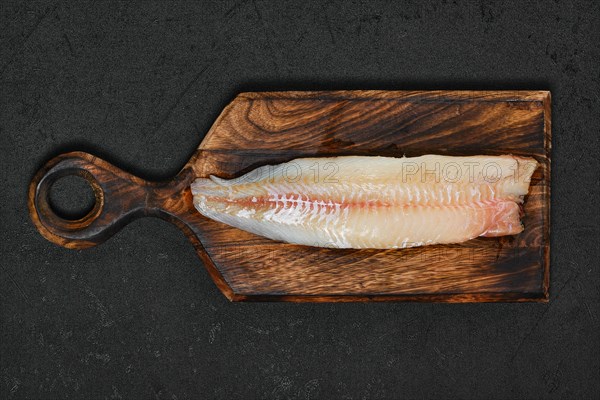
x=373, y=202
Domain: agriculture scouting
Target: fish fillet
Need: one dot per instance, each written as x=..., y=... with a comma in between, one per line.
x=373, y=202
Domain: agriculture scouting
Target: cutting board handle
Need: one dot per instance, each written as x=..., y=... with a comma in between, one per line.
x=120, y=198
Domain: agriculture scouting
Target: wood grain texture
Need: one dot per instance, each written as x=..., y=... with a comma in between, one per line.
x=269, y=128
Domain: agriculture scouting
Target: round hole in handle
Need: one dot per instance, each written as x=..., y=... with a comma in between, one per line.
x=71, y=197
x=60, y=217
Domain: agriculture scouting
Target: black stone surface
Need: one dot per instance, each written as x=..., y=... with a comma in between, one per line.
x=139, y=84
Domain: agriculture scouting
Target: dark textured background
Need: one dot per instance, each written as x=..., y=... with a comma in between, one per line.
x=139, y=83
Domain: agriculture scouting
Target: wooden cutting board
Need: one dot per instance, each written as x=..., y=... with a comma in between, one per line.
x=269, y=128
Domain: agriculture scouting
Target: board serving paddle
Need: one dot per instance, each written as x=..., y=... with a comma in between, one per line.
x=274, y=127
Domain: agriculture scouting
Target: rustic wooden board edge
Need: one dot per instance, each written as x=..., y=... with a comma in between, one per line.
x=547, y=103
x=505, y=297
x=408, y=95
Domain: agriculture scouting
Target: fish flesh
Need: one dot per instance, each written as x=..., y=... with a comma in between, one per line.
x=373, y=202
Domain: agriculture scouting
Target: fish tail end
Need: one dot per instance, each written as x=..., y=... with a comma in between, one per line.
x=506, y=220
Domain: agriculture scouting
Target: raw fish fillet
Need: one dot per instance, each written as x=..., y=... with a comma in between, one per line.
x=373, y=202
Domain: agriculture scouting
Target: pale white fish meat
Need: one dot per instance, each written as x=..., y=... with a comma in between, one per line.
x=373, y=202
